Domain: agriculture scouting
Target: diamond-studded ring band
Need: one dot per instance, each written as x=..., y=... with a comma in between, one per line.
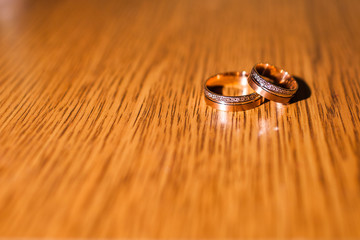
x=272, y=83
x=230, y=103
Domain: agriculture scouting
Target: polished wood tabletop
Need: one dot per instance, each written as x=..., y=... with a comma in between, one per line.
x=104, y=131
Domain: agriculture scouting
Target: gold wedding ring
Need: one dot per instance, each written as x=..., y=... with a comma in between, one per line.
x=272, y=83
x=214, y=97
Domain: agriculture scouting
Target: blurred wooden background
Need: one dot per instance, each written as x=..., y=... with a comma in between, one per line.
x=104, y=131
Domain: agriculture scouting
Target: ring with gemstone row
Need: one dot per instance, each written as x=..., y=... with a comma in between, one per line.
x=272, y=83
x=242, y=98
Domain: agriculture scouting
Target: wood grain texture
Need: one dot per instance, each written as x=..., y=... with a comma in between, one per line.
x=104, y=131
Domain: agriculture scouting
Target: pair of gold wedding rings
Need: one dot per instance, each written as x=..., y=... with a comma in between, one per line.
x=265, y=81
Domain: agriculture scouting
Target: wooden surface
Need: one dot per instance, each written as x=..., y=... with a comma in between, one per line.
x=104, y=131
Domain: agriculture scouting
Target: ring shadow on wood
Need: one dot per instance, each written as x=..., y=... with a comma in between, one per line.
x=303, y=92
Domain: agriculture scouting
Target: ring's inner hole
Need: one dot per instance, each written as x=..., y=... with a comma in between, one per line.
x=230, y=85
x=275, y=76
